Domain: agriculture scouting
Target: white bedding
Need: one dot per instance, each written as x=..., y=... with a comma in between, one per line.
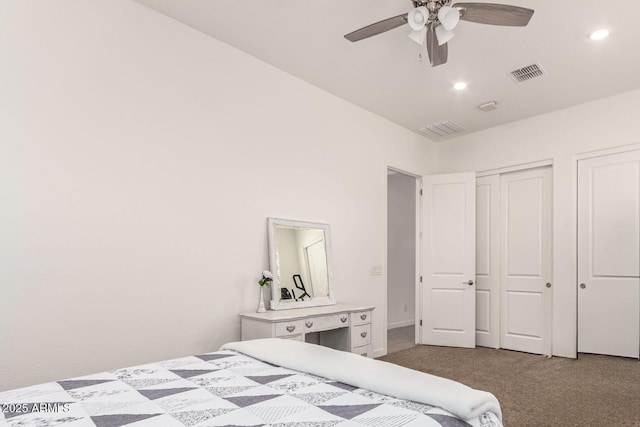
x=232, y=388
x=378, y=376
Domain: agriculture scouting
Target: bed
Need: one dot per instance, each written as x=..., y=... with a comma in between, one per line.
x=266, y=382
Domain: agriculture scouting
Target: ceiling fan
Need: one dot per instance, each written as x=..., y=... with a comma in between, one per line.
x=432, y=23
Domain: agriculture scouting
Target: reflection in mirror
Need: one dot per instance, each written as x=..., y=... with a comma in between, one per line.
x=299, y=254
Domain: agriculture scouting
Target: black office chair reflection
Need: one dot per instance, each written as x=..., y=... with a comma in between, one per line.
x=297, y=281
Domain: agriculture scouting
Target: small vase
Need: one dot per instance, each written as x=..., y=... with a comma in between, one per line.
x=261, y=308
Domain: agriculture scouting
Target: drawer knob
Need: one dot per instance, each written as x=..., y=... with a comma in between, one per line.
x=363, y=334
x=308, y=323
x=291, y=328
x=363, y=316
x=343, y=319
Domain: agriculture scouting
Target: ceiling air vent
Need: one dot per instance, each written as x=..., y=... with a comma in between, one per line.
x=442, y=129
x=527, y=73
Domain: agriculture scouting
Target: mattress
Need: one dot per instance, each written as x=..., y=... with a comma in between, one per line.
x=232, y=388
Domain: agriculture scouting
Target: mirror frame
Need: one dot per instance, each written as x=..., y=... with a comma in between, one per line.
x=276, y=302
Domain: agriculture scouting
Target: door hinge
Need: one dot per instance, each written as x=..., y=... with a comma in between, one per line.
x=421, y=191
x=420, y=322
x=420, y=279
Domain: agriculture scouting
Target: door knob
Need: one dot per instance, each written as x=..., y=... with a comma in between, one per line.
x=470, y=283
x=582, y=286
x=548, y=285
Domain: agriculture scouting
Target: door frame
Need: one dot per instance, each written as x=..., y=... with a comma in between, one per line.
x=418, y=213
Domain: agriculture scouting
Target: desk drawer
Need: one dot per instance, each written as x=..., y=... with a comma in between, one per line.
x=334, y=321
x=326, y=323
x=361, y=318
x=361, y=335
x=363, y=350
x=289, y=328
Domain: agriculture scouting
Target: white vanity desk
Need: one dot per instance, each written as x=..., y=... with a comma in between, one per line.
x=341, y=326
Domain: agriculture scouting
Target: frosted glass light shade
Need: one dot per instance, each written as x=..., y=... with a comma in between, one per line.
x=449, y=17
x=443, y=35
x=419, y=36
x=417, y=18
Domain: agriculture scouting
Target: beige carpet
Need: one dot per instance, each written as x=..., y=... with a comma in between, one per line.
x=536, y=391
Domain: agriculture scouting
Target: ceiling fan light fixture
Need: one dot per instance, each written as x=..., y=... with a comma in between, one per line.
x=449, y=17
x=419, y=36
x=418, y=17
x=443, y=35
x=440, y=18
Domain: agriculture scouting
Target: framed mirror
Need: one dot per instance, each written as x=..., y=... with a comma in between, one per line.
x=300, y=261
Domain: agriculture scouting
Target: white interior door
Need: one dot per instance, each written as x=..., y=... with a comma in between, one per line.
x=609, y=254
x=449, y=231
x=488, y=261
x=526, y=260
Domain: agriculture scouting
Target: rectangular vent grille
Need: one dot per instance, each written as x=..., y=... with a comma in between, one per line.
x=527, y=73
x=442, y=129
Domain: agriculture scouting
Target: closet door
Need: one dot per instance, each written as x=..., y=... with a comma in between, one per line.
x=526, y=260
x=448, y=267
x=488, y=261
x=609, y=254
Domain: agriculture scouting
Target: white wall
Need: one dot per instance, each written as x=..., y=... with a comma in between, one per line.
x=139, y=160
x=558, y=136
x=401, y=250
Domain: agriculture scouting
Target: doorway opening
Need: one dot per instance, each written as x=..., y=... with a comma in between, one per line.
x=401, y=260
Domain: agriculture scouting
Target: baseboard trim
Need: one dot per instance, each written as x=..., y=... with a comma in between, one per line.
x=401, y=324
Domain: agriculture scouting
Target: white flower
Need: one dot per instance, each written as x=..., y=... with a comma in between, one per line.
x=266, y=280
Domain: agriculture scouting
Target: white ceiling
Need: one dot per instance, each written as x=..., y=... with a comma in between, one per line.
x=382, y=74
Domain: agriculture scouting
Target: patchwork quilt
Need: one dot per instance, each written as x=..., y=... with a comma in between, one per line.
x=224, y=388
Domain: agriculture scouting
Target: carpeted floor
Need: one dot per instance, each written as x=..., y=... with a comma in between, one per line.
x=536, y=391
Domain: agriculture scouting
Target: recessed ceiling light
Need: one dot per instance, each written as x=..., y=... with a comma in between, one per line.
x=599, y=34
x=460, y=86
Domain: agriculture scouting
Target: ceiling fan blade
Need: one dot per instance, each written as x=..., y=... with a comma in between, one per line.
x=437, y=54
x=494, y=14
x=377, y=28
